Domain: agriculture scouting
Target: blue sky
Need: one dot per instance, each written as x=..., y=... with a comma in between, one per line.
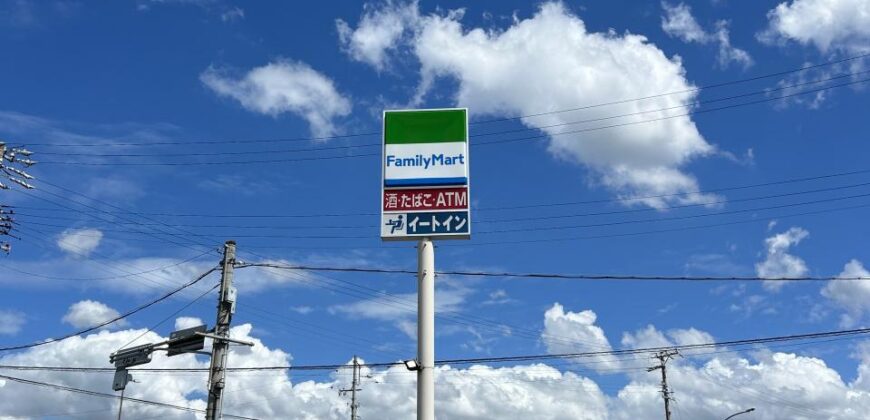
x=217, y=97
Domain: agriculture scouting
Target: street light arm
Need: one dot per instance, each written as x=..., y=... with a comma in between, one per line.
x=742, y=412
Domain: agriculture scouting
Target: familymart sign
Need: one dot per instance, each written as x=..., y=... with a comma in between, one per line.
x=425, y=174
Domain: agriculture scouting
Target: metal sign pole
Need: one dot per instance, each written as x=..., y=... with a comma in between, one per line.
x=426, y=330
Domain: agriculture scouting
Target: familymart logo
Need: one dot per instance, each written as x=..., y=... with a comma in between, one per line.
x=432, y=160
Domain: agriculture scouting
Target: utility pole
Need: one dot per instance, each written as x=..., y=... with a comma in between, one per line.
x=426, y=330
x=220, y=346
x=664, y=356
x=354, y=384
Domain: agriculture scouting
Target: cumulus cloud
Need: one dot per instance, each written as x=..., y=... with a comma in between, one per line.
x=378, y=32
x=828, y=25
x=79, y=242
x=576, y=332
x=88, y=313
x=776, y=383
x=185, y=322
x=11, y=321
x=678, y=22
x=284, y=86
x=836, y=28
x=401, y=309
x=562, y=65
x=778, y=262
x=160, y=274
x=851, y=296
x=537, y=391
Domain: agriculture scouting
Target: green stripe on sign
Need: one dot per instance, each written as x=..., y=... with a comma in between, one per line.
x=433, y=126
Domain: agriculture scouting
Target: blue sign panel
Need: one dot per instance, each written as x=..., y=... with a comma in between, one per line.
x=425, y=223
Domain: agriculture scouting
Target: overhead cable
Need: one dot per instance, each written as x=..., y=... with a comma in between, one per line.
x=690, y=90
x=565, y=276
x=112, y=396
x=113, y=319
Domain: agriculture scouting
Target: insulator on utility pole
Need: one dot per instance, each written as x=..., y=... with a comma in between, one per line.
x=664, y=356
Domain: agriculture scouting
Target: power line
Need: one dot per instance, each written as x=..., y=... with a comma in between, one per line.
x=248, y=141
x=693, y=112
x=825, y=335
x=514, y=207
x=696, y=89
x=114, y=319
x=548, y=228
x=546, y=275
x=111, y=396
x=121, y=276
x=585, y=121
x=488, y=221
x=316, y=158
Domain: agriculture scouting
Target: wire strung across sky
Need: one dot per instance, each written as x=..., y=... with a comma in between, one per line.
x=630, y=277
x=112, y=396
x=825, y=335
x=482, y=208
x=485, y=143
x=511, y=230
x=498, y=220
x=114, y=319
x=767, y=92
x=584, y=107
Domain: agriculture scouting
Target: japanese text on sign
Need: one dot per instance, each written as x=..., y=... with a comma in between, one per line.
x=421, y=224
x=425, y=199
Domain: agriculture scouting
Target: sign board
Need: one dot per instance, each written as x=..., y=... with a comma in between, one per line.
x=121, y=379
x=133, y=356
x=425, y=184
x=186, y=341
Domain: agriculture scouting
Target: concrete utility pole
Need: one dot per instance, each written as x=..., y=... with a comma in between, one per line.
x=426, y=330
x=354, y=387
x=664, y=356
x=220, y=348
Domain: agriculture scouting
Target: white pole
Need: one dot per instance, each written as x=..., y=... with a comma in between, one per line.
x=426, y=330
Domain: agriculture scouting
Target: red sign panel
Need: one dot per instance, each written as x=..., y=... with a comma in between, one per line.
x=419, y=199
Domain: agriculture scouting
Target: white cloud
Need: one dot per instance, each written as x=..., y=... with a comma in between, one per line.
x=185, y=322
x=728, y=53
x=828, y=25
x=678, y=22
x=11, y=321
x=378, y=32
x=576, y=332
x=836, y=28
x=477, y=392
x=779, y=385
x=775, y=384
x=88, y=313
x=562, y=65
x=499, y=297
x=401, y=309
x=79, y=242
x=302, y=309
x=852, y=296
x=233, y=14
x=284, y=86
x=778, y=262
x=159, y=274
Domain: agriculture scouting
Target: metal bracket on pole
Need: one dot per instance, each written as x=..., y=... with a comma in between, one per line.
x=227, y=339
